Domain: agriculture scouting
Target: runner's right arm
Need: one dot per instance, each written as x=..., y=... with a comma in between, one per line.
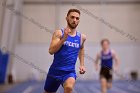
x=57, y=41
x=97, y=61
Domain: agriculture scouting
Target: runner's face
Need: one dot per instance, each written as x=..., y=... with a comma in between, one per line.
x=73, y=20
x=105, y=45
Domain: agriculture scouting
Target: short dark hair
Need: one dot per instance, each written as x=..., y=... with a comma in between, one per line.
x=73, y=10
x=105, y=40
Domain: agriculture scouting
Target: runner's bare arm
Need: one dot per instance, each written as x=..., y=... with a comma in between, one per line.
x=81, y=52
x=81, y=55
x=116, y=59
x=56, y=42
x=97, y=61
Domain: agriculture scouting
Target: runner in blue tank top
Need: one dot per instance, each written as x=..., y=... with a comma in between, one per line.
x=66, y=45
x=106, y=55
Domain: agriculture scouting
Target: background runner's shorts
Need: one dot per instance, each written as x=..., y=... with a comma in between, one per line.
x=106, y=73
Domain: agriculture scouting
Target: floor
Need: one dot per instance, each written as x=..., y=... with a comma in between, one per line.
x=80, y=87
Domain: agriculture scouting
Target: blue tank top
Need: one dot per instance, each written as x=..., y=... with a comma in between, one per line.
x=106, y=60
x=65, y=59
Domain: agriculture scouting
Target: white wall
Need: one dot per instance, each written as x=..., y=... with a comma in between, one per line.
x=34, y=41
x=124, y=17
x=42, y=14
x=1, y=15
x=39, y=56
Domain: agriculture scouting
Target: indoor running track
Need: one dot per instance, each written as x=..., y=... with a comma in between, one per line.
x=80, y=87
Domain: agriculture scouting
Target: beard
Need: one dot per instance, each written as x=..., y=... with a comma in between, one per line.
x=72, y=25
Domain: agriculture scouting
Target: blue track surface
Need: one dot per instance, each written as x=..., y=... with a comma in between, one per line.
x=80, y=87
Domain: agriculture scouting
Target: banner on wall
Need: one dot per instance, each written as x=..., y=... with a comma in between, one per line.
x=3, y=66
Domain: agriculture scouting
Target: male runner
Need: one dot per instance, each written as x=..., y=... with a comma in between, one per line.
x=66, y=45
x=106, y=55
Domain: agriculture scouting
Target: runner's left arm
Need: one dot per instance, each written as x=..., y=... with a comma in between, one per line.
x=81, y=53
x=116, y=59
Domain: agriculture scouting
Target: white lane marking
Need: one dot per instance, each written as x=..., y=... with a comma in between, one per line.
x=29, y=89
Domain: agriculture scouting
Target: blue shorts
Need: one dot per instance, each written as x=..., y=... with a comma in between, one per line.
x=55, y=78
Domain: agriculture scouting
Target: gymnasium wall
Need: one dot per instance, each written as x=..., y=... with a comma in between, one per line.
x=123, y=17
x=37, y=60
x=1, y=15
x=34, y=42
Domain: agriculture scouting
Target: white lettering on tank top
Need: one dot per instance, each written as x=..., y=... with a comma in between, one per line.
x=106, y=57
x=71, y=44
